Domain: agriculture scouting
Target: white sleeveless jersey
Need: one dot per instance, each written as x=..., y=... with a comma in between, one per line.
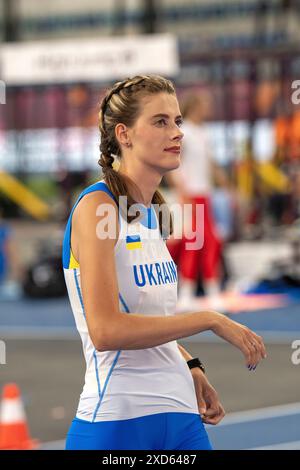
x=132, y=383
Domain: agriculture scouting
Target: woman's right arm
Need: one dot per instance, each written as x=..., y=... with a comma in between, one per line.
x=111, y=329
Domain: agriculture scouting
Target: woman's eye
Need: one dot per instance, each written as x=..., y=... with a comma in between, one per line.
x=163, y=122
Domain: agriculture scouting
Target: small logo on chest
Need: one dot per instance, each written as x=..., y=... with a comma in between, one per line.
x=133, y=242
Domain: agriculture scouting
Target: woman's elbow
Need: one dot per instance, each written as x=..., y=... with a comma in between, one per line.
x=105, y=341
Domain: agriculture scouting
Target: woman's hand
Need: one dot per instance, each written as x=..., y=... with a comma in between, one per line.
x=251, y=345
x=209, y=405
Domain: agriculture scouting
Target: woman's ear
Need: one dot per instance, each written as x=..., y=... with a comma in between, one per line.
x=122, y=135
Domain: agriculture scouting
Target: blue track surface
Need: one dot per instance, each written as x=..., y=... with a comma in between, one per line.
x=57, y=312
x=273, y=427
x=280, y=319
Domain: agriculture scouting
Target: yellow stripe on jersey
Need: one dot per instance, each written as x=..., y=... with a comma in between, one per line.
x=73, y=263
x=133, y=245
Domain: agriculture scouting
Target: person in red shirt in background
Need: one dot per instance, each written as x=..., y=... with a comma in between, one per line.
x=193, y=182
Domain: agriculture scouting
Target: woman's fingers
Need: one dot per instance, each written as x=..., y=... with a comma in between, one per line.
x=258, y=344
x=261, y=345
x=247, y=350
x=251, y=345
x=214, y=416
x=254, y=350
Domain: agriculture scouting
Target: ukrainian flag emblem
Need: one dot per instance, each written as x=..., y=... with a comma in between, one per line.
x=133, y=242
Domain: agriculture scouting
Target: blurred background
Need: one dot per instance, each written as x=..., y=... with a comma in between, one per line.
x=56, y=60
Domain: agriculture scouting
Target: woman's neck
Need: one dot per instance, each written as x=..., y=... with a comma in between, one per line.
x=147, y=182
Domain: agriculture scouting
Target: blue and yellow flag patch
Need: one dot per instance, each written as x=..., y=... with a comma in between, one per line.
x=133, y=242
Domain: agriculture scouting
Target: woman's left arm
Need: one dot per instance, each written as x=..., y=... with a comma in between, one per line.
x=209, y=405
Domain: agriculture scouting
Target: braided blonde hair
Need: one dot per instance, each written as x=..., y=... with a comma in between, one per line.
x=121, y=103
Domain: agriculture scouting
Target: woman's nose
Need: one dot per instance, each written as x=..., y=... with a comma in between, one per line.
x=179, y=135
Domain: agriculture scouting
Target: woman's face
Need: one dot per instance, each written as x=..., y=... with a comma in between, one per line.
x=156, y=136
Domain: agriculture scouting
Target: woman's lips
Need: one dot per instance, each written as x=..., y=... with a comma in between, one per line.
x=173, y=150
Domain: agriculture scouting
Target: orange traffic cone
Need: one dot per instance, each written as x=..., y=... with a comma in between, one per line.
x=14, y=432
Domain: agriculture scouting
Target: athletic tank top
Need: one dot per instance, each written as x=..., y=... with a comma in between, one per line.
x=132, y=383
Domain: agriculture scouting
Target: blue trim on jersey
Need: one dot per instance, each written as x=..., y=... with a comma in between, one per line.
x=94, y=353
x=112, y=367
x=97, y=372
x=79, y=291
x=105, y=385
x=66, y=251
x=123, y=303
x=66, y=254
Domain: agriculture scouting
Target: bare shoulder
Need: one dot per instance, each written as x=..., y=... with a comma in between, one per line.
x=94, y=212
x=93, y=203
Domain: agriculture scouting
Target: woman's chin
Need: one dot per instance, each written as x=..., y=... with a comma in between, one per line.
x=169, y=165
x=174, y=164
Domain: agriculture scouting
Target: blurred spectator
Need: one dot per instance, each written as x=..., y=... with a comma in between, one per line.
x=5, y=233
x=194, y=182
x=223, y=205
x=10, y=274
